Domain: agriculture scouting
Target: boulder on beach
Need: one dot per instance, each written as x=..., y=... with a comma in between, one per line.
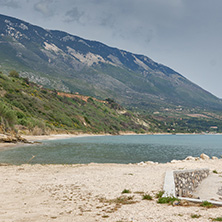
x=214, y=158
x=203, y=156
x=190, y=158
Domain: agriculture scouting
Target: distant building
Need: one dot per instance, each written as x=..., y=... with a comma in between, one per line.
x=213, y=127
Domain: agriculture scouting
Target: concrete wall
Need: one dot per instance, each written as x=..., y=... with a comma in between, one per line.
x=187, y=180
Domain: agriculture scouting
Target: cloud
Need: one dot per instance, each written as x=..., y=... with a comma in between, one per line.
x=45, y=7
x=73, y=15
x=9, y=3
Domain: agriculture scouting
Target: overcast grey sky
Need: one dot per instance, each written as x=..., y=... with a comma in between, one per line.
x=185, y=35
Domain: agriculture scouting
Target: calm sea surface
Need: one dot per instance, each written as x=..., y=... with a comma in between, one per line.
x=115, y=149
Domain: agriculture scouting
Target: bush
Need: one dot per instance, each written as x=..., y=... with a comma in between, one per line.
x=206, y=204
x=217, y=219
x=8, y=114
x=147, y=197
x=126, y=191
x=195, y=216
x=14, y=74
x=164, y=200
x=160, y=194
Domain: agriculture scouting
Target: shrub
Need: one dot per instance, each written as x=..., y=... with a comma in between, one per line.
x=14, y=74
x=8, y=114
x=160, y=194
x=87, y=120
x=206, y=204
x=195, y=216
x=164, y=200
x=147, y=197
x=90, y=100
x=126, y=191
x=217, y=219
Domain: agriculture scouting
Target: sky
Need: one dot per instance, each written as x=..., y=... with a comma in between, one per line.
x=184, y=35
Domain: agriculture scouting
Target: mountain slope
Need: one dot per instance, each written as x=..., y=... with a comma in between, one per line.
x=59, y=60
x=32, y=109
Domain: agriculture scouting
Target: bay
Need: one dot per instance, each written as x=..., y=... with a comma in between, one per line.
x=115, y=149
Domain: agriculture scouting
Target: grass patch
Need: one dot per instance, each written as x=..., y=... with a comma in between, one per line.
x=160, y=194
x=214, y=171
x=126, y=191
x=167, y=200
x=123, y=200
x=217, y=219
x=195, y=216
x=147, y=197
x=206, y=204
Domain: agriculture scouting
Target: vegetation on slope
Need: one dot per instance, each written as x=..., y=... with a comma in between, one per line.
x=28, y=108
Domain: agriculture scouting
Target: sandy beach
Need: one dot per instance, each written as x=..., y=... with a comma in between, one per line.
x=93, y=192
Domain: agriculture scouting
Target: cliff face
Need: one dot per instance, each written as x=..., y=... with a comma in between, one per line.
x=69, y=63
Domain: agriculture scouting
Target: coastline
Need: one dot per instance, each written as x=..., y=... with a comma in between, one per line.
x=90, y=192
x=37, y=138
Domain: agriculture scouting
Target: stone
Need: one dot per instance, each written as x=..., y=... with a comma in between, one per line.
x=141, y=164
x=176, y=203
x=190, y=158
x=203, y=156
x=149, y=162
x=214, y=158
x=184, y=203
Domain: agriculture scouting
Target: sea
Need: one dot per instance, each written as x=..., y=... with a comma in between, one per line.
x=114, y=149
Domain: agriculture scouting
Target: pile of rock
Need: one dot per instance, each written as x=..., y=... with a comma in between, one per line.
x=202, y=157
x=12, y=139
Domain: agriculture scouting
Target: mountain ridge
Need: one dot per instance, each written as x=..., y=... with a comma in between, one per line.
x=69, y=63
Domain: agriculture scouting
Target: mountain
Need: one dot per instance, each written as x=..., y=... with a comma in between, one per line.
x=59, y=60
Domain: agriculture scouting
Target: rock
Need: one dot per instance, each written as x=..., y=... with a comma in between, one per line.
x=5, y=164
x=176, y=203
x=13, y=139
x=176, y=161
x=203, y=156
x=190, y=158
x=150, y=162
x=141, y=164
x=214, y=158
x=9, y=139
x=184, y=203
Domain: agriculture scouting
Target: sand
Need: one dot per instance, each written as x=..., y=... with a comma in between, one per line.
x=58, y=136
x=83, y=193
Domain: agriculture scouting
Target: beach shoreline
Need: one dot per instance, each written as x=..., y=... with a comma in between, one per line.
x=37, y=138
x=90, y=192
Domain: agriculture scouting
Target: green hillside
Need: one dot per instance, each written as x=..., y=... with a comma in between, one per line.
x=26, y=107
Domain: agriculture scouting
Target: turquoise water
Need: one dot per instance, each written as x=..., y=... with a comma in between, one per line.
x=115, y=149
